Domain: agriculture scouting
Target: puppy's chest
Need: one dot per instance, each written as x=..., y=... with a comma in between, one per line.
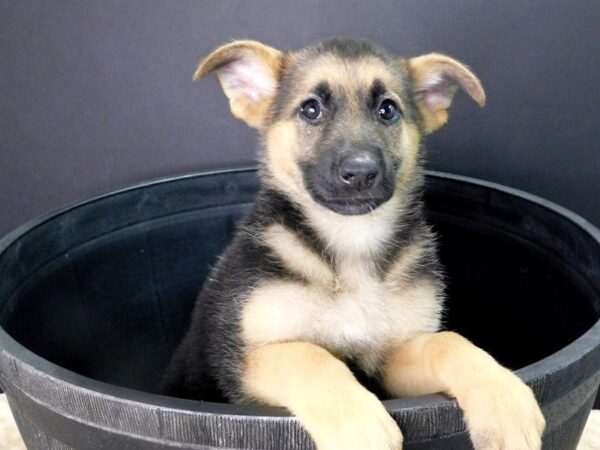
x=358, y=315
x=359, y=312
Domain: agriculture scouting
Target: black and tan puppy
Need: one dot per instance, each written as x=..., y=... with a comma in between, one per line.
x=335, y=264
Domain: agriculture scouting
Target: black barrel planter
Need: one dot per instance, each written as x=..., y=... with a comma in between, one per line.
x=94, y=298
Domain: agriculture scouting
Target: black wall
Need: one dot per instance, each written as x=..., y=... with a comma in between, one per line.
x=96, y=95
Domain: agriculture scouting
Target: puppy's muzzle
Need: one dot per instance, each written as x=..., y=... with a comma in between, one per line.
x=353, y=180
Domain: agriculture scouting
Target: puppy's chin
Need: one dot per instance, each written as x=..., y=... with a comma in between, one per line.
x=351, y=206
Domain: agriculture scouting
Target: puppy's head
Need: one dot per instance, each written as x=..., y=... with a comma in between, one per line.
x=341, y=120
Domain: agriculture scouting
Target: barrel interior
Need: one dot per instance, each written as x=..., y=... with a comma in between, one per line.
x=106, y=289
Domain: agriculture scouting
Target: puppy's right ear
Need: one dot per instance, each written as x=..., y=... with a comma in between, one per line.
x=249, y=75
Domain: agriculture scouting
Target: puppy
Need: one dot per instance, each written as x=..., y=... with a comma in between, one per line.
x=335, y=264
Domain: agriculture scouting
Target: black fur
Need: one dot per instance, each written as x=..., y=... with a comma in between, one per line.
x=208, y=363
x=343, y=49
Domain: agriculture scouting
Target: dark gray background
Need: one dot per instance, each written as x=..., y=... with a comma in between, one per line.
x=96, y=95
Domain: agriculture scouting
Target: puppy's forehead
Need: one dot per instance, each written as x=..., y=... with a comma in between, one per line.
x=345, y=74
x=345, y=66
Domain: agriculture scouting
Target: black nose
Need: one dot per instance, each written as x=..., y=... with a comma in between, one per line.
x=360, y=170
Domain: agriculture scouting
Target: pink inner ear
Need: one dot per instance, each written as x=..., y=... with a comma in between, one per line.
x=250, y=77
x=438, y=91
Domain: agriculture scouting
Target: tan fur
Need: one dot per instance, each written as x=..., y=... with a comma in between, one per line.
x=285, y=143
x=362, y=237
x=430, y=68
x=359, y=316
x=351, y=77
x=251, y=110
x=409, y=146
x=409, y=259
x=356, y=235
x=500, y=411
x=350, y=311
x=320, y=390
x=347, y=236
x=291, y=330
x=282, y=154
x=298, y=258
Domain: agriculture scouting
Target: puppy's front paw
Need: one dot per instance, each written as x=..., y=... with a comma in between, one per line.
x=502, y=413
x=358, y=423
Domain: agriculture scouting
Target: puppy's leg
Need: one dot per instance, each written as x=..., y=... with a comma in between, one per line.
x=321, y=391
x=500, y=410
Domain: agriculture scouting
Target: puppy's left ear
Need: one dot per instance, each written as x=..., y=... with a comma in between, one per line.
x=249, y=75
x=435, y=80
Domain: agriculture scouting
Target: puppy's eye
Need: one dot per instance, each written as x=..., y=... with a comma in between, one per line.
x=389, y=111
x=311, y=110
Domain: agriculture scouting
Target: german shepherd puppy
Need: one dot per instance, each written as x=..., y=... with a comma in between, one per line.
x=335, y=265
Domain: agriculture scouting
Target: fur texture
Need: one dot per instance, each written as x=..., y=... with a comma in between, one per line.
x=335, y=266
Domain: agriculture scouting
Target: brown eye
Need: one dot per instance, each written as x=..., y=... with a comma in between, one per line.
x=311, y=110
x=389, y=111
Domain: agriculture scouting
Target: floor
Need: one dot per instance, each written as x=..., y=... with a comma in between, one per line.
x=10, y=439
x=9, y=435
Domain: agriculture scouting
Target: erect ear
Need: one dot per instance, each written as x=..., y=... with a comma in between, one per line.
x=435, y=80
x=249, y=74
